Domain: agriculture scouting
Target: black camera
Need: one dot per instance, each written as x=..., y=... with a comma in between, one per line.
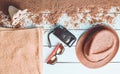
x=63, y=34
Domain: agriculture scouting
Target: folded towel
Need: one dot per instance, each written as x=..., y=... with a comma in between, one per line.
x=20, y=51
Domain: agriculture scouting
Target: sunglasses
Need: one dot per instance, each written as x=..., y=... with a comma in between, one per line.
x=58, y=50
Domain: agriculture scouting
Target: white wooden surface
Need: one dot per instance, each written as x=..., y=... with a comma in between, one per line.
x=68, y=62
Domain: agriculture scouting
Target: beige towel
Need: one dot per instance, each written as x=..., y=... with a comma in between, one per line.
x=20, y=51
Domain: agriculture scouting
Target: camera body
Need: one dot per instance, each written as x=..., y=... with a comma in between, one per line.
x=64, y=35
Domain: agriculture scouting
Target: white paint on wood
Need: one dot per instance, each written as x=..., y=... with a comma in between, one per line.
x=68, y=62
x=78, y=68
x=55, y=40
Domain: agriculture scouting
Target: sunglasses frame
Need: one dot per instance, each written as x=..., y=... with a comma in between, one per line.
x=54, y=53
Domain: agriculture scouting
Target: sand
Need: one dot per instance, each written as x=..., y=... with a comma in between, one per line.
x=57, y=7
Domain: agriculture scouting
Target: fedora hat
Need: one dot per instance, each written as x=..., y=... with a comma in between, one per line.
x=97, y=46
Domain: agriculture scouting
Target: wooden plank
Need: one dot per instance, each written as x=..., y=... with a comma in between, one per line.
x=69, y=22
x=78, y=68
x=70, y=54
x=112, y=20
x=55, y=40
x=68, y=62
